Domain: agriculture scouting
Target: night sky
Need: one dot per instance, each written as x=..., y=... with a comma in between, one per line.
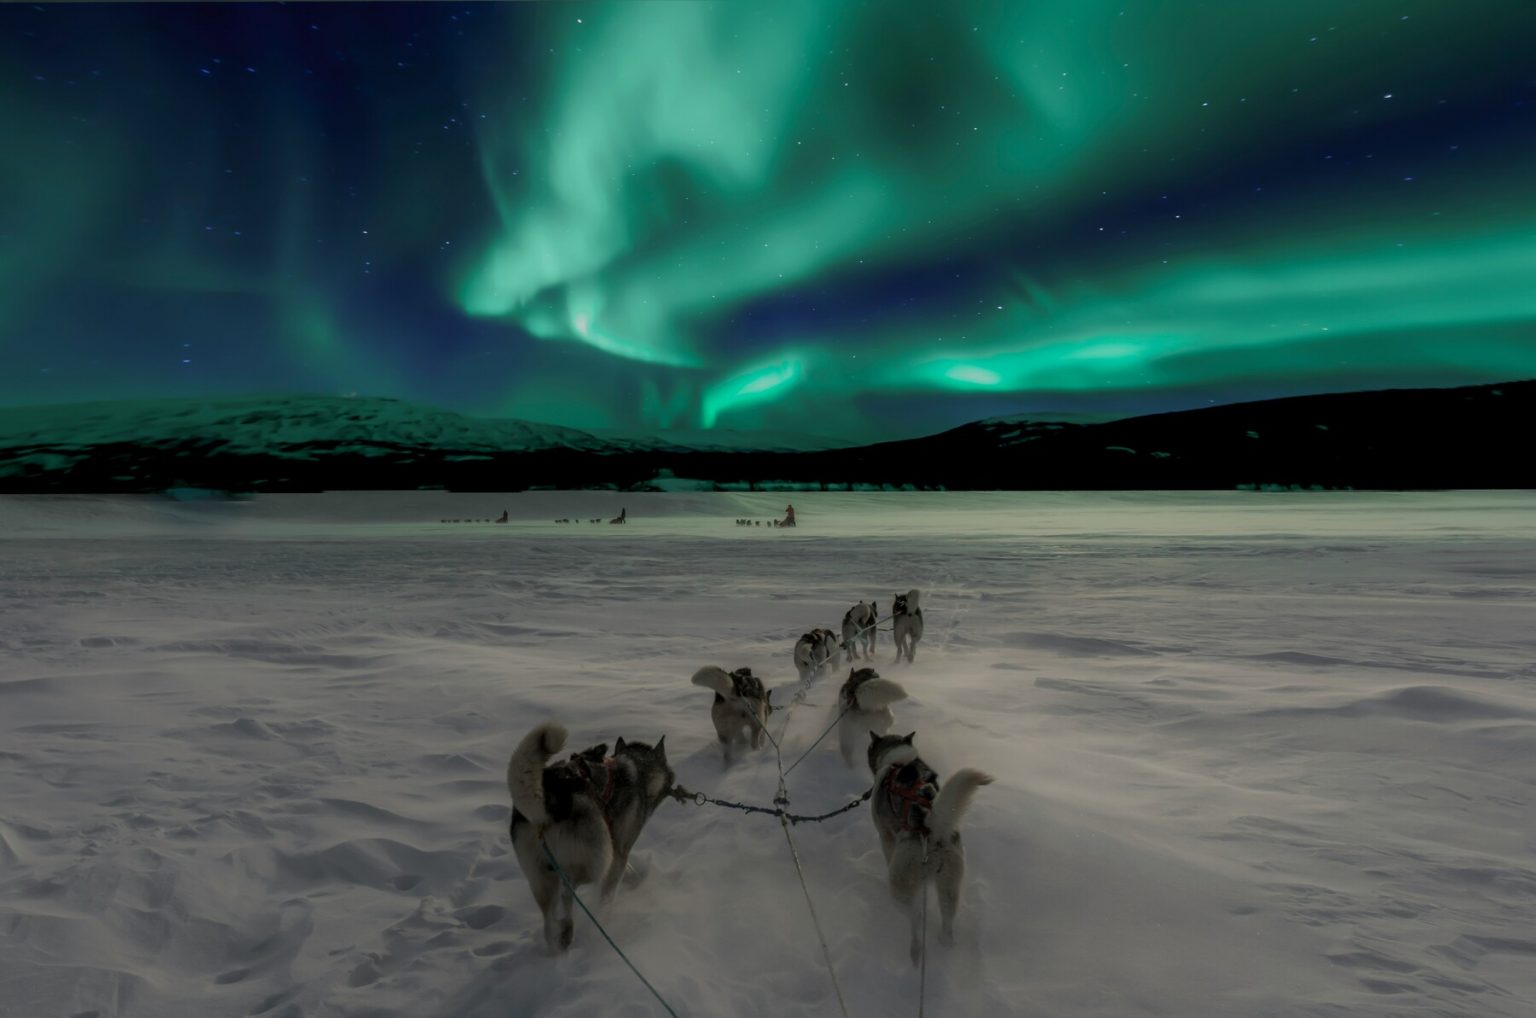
x=866, y=220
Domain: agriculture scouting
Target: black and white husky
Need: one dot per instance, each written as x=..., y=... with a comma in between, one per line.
x=589, y=809
x=740, y=710
x=906, y=624
x=865, y=701
x=859, y=628
x=917, y=822
x=815, y=651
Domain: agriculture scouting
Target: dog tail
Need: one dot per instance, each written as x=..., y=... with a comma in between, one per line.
x=525, y=770
x=877, y=693
x=954, y=799
x=714, y=677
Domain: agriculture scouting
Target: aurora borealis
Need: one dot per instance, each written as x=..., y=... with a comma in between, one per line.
x=870, y=220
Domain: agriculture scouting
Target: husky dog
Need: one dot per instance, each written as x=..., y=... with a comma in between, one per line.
x=865, y=700
x=917, y=824
x=859, y=628
x=741, y=707
x=589, y=809
x=906, y=624
x=814, y=651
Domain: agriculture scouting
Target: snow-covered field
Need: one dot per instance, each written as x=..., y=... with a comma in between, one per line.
x=1255, y=754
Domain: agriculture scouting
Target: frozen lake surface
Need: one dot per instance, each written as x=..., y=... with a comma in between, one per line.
x=1256, y=754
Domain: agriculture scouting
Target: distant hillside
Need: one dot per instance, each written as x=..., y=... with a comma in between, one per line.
x=259, y=443
x=276, y=423
x=1466, y=437
x=1469, y=437
x=727, y=439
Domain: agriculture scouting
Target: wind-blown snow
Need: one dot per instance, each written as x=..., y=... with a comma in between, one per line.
x=1255, y=754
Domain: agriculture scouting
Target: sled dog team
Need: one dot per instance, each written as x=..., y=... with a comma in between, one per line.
x=589, y=809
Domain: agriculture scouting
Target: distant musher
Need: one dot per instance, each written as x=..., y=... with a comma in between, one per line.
x=789, y=517
x=623, y=514
x=503, y=517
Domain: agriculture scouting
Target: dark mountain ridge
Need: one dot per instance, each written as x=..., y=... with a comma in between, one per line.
x=1393, y=439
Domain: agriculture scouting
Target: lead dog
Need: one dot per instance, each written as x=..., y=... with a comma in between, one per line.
x=813, y=652
x=865, y=700
x=906, y=624
x=589, y=810
x=740, y=710
x=859, y=628
x=917, y=822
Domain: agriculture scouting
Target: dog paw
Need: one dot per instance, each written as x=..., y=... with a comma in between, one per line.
x=567, y=934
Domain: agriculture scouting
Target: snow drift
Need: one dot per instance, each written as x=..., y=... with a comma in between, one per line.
x=1255, y=755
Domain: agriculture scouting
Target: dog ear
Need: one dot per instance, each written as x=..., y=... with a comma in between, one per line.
x=661, y=746
x=873, y=738
x=908, y=739
x=618, y=746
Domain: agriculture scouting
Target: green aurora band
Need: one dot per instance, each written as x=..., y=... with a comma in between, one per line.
x=697, y=156
x=849, y=219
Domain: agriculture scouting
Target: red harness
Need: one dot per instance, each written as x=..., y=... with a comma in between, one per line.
x=904, y=797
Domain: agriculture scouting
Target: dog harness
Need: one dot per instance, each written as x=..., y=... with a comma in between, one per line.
x=865, y=621
x=586, y=767
x=910, y=790
x=851, y=687
x=746, y=685
x=820, y=643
